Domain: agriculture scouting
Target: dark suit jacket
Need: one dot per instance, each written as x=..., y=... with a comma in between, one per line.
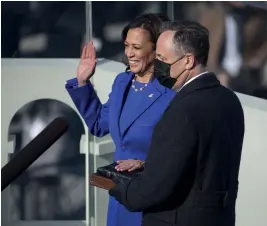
x=191, y=174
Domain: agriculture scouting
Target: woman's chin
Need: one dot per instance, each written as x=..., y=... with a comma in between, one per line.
x=135, y=70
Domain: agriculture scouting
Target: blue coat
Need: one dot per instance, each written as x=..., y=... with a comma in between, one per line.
x=133, y=142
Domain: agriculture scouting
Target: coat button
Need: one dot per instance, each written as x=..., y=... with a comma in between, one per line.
x=122, y=147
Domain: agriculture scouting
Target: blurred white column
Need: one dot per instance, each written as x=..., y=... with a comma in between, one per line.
x=90, y=221
x=170, y=9
x=88, y=22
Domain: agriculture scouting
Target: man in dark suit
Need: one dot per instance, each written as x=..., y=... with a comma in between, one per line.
x=191, y=173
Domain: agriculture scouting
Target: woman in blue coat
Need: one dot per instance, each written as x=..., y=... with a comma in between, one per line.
x=135, y=104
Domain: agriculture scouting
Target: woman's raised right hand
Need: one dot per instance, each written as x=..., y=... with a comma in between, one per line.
x=86, y=67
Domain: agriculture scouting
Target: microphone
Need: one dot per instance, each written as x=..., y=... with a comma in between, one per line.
x=33, y=150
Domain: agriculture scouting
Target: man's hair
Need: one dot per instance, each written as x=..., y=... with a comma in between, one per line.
x=190, y=37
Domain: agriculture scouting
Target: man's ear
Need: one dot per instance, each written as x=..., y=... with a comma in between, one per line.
x=190, y=62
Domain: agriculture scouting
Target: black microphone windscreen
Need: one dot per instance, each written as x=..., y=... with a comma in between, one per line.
x=33, y=150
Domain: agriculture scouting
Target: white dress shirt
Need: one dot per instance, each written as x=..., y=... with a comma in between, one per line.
x=192, y=79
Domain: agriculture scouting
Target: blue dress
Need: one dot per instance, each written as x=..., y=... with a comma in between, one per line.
x=129, y=117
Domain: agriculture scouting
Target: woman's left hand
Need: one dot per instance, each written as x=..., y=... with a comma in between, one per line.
x=130, y=165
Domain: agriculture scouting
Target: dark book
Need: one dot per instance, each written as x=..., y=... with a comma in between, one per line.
x=104, y=176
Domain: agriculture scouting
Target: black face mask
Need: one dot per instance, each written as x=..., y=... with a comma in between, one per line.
x=162, y=73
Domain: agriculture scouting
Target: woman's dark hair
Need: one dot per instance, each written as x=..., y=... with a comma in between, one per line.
x=151, y=22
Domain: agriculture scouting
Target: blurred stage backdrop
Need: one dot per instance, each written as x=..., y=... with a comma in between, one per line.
x=53, y=187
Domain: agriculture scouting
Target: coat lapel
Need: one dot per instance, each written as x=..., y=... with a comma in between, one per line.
x=121, y=94
x=151, y=93
x=203, y=82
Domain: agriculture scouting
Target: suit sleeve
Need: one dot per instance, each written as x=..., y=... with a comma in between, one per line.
x=170, y=159
x=94, y=113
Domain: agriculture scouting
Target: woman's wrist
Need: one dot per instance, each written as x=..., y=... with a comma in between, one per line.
x=82, y=83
